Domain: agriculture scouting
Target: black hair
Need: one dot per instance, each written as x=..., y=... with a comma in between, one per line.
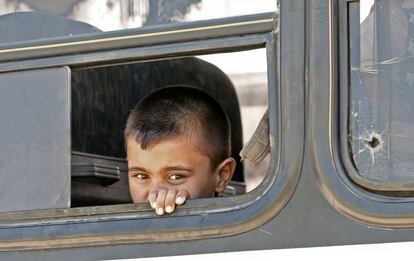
x=181, y=110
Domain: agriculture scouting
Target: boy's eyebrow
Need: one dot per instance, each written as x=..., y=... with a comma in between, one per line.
x=177, y=168
x=137, y=169
x=170, y=168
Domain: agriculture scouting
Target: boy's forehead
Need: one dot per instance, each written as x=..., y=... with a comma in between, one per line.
x=169, y=152
x=183, y=142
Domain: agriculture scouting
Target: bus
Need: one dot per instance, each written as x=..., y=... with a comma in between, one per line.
x=317, y=93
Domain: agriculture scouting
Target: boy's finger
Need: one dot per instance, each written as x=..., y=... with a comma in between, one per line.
x=160, y=208
x=152, y=197
x=181, y=197
x=170, y=200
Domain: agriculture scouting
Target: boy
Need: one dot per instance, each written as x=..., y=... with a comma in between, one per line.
x=178, y=147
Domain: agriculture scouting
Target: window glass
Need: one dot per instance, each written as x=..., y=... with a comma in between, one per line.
x=102, y=98
x=382, y=89
x=34, y=143
x=109, y=15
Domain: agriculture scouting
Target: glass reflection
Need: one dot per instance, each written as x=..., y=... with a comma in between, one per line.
x=7, y=7
x=110, y=15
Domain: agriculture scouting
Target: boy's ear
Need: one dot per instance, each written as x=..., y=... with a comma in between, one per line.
x=225, y=171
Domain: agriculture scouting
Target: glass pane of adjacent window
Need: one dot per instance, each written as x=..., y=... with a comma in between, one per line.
x=381, y=115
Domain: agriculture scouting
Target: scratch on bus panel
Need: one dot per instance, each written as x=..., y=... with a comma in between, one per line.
x=265, y=232
x=384, y=228
x=374, y=68
x=202, y=219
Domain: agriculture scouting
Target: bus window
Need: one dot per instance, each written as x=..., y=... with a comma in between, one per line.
x=106, y=75
x=102, y=98
x=381, y=93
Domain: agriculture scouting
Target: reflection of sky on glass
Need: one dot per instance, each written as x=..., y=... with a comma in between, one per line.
x=7, y=7
x=109, y=15
x=209, y=9
x=113, y=16
x=364, y=8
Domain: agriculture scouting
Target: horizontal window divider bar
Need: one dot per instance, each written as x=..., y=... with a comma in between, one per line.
x=145, y=36
x=142, y=53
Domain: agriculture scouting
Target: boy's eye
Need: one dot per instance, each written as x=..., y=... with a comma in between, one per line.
x=142, y=176
x=176, y=176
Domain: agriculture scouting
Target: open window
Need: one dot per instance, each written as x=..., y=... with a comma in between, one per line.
x=103, y=96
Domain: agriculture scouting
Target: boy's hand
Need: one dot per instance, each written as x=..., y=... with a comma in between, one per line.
x=164, y=200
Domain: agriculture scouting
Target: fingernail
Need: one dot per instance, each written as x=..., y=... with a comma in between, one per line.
x=168, y=209
x=154, y=205
x=160, y=211
x=179, y=200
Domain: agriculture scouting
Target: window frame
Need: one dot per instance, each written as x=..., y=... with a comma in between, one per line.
x=329, y=130
x=199, y=218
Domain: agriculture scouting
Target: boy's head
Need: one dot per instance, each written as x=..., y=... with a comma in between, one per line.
x=178, y=138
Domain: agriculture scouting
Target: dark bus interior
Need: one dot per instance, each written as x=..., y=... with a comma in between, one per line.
x=101, y=100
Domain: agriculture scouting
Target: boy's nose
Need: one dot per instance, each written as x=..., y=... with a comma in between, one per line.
x=158, y=184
